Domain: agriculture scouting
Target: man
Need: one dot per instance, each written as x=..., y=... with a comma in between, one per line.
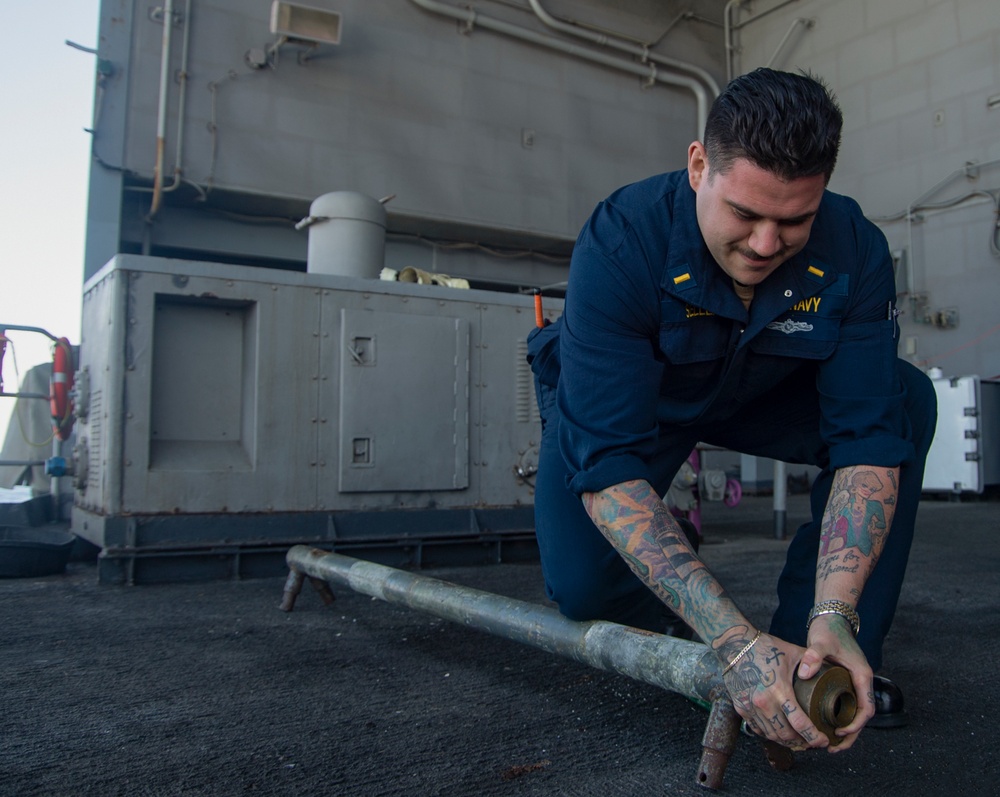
x=737, y=303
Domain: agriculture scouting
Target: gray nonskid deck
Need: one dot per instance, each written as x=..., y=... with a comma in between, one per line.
x=210, y=689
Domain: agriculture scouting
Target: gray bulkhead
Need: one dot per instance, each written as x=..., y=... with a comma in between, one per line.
x=242, y=399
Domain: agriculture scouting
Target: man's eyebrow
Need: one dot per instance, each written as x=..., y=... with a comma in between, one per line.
x=754, y=214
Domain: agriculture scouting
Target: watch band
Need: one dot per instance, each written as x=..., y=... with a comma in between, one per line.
x=845, y=610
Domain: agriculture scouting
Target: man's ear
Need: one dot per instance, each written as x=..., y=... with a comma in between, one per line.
x=697, y=165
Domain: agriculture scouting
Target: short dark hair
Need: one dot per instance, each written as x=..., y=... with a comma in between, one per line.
x=785, y=123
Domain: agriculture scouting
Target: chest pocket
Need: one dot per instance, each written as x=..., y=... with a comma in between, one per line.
x=689, y=335
x=810, y=329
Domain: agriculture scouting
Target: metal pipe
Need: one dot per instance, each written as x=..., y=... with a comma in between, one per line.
x=471, y=18
x=718, y=743
x=763, y=14
x=806, y=23
x=619, y=43
x=54, y=481
x=181, y=98
x=780, y=499
x=182, y=78
x=727, y=26
x=680, y=17
x=161, y=108
x=688, y=668
x=21, y=328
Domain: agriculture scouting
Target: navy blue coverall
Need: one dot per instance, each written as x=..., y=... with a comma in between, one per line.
x=655, y=352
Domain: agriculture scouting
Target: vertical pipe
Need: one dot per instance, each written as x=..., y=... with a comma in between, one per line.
x=728, y=34
x=181, y=99
x=161, y=109
x=293, y=586
x=718, y=743
x=780, y=499
x=54, y=480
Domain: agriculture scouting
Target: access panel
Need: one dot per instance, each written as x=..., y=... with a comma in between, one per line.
x=404, y=402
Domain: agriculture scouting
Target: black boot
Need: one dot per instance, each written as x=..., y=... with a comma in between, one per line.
x=889, y=711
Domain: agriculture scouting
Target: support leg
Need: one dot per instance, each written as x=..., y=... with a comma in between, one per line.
x=293, y=586
x=323, y=589
x=721, y=733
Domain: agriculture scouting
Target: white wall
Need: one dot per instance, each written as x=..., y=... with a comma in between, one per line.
x=914, y=78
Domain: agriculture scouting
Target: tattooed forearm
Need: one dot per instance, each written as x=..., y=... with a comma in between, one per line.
x=854, y=529
x=828, y=567
x=640, y=527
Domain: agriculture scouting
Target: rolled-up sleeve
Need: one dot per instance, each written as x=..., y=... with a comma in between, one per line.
x=861, y=396
x=609, y=384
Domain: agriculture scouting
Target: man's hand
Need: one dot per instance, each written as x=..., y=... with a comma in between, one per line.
x=831, y=639
x=761, y=686
x=853, y=532
x=640, y=527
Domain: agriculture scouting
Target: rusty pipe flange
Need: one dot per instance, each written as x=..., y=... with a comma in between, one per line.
x=829, y=699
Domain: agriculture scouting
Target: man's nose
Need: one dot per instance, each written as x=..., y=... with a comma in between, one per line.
x=765, y=239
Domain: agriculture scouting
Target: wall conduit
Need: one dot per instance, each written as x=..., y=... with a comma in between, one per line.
x=161, y=123
x=730, y=27
x=161, y=109
x=650, y=73
x=624, y=46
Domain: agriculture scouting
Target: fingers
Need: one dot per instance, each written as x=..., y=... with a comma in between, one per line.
x=785, y=722
x=861, y=680
x=802, y=725
x=849, y=656
x=768, y=701
x=800, y=738
x=762, y=691
x=863, y=690
x=845, y=743
x=812, y=660
x=762, y=688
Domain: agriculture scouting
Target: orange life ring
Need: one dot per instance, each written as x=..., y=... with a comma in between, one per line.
x=60, y=385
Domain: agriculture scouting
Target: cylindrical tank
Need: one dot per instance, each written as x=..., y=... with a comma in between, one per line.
x=346, y=235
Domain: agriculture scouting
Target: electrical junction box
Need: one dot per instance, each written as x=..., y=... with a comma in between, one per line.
x=965, y=454
x=305, y=23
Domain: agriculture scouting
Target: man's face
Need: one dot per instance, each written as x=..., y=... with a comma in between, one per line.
x=751, y=219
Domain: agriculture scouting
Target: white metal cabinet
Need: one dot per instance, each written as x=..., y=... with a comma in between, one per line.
x=965, y=454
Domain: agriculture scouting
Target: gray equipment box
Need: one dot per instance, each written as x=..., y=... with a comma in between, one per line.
x=225, y=412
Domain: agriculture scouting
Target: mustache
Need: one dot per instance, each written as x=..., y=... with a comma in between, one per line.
x=752, y=255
